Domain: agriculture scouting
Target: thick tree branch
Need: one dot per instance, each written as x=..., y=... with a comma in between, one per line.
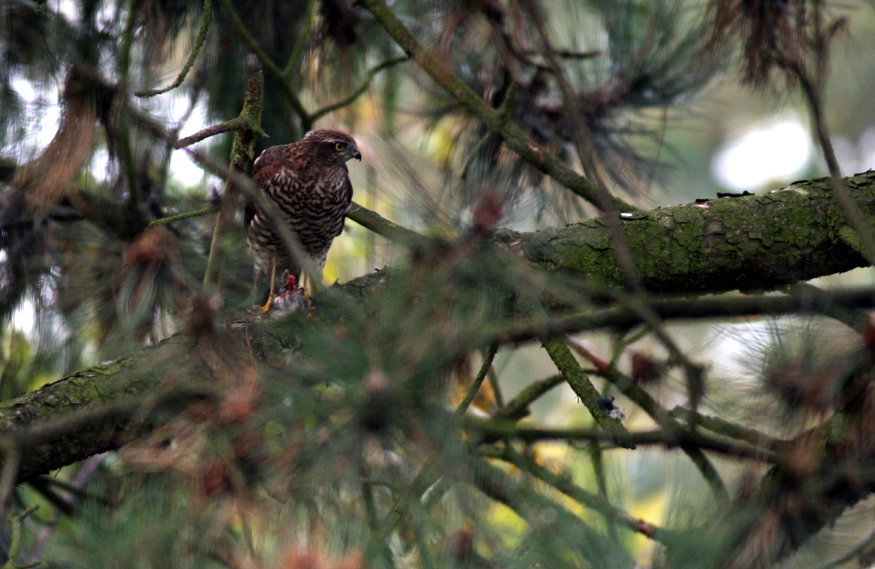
x=768, y=239
x=755, y=242
x=90, y=411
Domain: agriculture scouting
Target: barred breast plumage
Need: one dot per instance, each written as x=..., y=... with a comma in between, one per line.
x=308, y=184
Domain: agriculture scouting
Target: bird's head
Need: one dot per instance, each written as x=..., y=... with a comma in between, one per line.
x=334, y=147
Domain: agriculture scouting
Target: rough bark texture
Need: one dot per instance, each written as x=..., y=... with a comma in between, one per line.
x=89, y=412
x=93, y=387
x=755, y=242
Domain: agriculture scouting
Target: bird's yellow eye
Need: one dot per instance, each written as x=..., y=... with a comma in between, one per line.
x=339, y=146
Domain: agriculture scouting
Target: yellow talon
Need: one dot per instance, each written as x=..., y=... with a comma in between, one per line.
x=267, y=304
x=271, y=295
x=307, y=298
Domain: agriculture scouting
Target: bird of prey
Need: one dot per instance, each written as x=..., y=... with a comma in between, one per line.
x=307, y=182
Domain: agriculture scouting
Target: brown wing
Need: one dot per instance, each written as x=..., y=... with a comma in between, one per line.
x=290, y=158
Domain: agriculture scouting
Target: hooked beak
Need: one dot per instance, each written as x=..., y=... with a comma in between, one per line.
x=357, y=155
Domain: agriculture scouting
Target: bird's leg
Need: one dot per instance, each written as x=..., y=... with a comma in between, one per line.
x=271, y=295
x=306, y=284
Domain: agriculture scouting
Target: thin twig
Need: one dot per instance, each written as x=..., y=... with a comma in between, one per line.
x=564, y=484
x=596, y=453
x=9, y=473
x=527, y=503
x=506, y=109
x=491, y=430
x=853, y=214
x=727, y=429
x=811, y=81
x=358, y=91
x=517, y=407
x=198, y=44
x=514, y=137
x=235, y=124
x=302, y=38
x=181, y=216
x=693, y=372
x=89, y=467
x=478, y=381
x=568, y=53
x=690, y=309
x=269, y=65
x=496, y=387
x=128, y=40
x=15, y=522
x=586, y=152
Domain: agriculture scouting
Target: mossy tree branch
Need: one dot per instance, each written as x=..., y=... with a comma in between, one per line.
x=755, y=242
x=381, y=226
x=586, y=391
x=242, y=153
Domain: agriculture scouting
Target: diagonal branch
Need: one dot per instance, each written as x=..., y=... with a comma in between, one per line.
x=239, y=123
x=514, y=137
x=358, y=91
x=272, y=68
x=198, y=44
x=383, y=227
x=586, y=391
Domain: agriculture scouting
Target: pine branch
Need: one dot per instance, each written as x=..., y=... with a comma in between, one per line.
x=383, y=227
x=755, y=242
x=242, y=122
x=204, y=25
x=490, y=431
x=358, y=91
x=501, y=487
x=517, y=407
x=271, y=67
x=179, y=217
x=586, y=391
x=802, y=302
x=478, y=381
x=514, y=137
x=302, y=39
x=561, y=250
x=15, y=522
x=564, y=484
